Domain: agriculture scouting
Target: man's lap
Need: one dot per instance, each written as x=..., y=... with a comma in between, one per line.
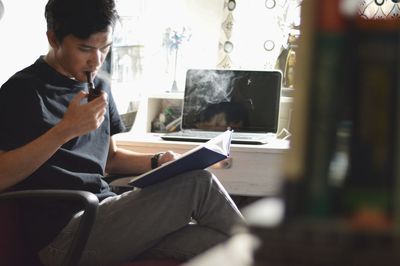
x=140, y=220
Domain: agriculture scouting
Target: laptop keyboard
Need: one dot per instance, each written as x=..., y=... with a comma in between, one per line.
x=205, y=135
x=209, y=135
x=237, y=137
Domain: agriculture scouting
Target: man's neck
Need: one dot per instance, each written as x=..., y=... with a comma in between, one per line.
x=49, y=58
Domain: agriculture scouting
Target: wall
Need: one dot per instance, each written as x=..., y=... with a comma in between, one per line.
x=203, y=18
x=23, y=35
x=142, y=43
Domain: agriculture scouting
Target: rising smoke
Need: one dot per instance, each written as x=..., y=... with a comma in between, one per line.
x=205, y=87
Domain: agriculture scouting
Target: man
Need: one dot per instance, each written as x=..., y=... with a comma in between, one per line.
x=51, y=137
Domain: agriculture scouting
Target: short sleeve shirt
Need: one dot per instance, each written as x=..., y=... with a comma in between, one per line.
x=31, y=102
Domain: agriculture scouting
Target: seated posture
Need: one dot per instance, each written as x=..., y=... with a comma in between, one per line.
x=54, y=136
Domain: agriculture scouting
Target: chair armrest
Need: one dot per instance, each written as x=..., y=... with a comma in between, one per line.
x=89, y=204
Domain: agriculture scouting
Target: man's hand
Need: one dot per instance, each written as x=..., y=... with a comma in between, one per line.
x=168, y=156
x=81, y=117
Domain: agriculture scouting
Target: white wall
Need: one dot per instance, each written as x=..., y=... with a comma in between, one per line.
x=204, y=20
x=146, y=26
x=22, y=35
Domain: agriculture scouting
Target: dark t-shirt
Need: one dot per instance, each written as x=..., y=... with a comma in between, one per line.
x=33, y=101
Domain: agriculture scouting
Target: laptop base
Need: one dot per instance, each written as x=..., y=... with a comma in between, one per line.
x=182, y=137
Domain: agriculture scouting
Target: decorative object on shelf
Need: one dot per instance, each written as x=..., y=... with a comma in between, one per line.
x=253, y=33
x=379, y=9
x=285, y=14
x=269, y=45
x=290, y=62
x=173, y=40
x=270, y=4
x=226, y=46
x=169, y=118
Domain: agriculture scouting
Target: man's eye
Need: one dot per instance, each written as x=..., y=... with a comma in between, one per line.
x=84, y=49
x=105, y=49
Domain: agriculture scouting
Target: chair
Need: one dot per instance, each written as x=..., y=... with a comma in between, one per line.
x=14, y=252
x=12, y=249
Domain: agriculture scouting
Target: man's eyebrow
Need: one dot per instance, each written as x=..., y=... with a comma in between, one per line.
x=93, y=47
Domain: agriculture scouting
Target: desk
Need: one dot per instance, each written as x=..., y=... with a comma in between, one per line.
x=256, y=170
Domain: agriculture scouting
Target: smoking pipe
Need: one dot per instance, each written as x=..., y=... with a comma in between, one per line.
x=93, y=92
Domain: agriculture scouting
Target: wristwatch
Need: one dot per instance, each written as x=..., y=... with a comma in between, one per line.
x=154, y=160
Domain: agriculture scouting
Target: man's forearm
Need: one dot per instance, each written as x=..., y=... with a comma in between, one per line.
x=124, y=161
x=16, y=165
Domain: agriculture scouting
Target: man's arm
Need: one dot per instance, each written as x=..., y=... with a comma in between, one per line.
x=79, y=119
x=123, y=161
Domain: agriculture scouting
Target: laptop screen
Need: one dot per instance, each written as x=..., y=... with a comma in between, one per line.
x=246, y=101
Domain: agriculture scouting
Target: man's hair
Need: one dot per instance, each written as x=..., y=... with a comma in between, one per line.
x=80, y=18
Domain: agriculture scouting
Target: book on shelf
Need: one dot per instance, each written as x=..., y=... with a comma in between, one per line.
x=200, y=157
x=324, y=107
x=318, y=98
x=294, y=171
x=370, y=188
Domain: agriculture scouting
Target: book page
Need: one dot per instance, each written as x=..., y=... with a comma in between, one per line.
x=221, y=143
x=199, y=157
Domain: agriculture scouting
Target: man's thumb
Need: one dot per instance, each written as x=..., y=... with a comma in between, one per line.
x=79, y=97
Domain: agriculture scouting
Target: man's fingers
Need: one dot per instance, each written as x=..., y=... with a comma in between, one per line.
x=100, y=100
x=79, y=97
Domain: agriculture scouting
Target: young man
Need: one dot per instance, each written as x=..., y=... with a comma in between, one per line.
x=53, y=138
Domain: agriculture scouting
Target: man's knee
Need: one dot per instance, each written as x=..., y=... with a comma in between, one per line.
x=203, y=177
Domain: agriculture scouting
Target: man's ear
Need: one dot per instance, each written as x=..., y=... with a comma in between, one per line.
x=51, y=37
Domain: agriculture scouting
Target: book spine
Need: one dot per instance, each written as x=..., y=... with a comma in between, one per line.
x=322, y=111
x=294, y=171
x=396, y=147
x=302, y=76
x=323, y=119
x=369, y=196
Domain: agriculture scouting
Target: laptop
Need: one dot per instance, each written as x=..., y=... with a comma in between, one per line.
x=246, y=101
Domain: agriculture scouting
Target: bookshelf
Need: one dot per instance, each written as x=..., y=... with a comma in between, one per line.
x=157, y=104
x=150, y=107
x=341, y=181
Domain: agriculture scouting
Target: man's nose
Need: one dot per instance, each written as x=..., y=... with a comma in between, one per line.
x=95, y=58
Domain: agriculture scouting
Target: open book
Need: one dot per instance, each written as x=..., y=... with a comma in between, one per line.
x=200, y=157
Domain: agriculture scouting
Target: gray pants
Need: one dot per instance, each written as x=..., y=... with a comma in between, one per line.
x=155, y=222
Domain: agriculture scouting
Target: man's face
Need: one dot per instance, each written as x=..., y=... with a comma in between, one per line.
x=74, y=56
